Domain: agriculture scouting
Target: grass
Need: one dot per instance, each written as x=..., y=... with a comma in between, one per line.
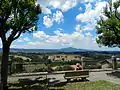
x=98, y=85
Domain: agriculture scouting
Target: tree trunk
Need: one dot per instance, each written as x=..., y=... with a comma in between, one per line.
x=4, y=66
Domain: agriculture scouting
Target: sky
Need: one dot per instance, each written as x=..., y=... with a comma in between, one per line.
x=65, y=23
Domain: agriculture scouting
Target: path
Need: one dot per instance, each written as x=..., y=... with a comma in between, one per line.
x=94, y=76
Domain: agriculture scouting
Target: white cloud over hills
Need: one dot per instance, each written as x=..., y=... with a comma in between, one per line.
x=90, y=13
x=49, y=20
x=80, y=34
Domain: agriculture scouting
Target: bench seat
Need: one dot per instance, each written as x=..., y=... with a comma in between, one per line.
x=83, y=74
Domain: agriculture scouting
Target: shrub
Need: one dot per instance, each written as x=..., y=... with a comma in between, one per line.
x=35, y=68
x=92, y=67
x=67, y=67
x=64, y=68
x=118, y=65
x=58, y=63
x=59, y=68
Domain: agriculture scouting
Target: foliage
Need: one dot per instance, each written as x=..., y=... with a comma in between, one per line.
x=98, y=85
x=108, y=27
x=64, y=68
x=17, y=67
x=35, y=68
x=58, y=63
x=92, y=67
x=111, y=66
x=16, y=17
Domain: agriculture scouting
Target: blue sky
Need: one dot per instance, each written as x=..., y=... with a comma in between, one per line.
x=65, y=23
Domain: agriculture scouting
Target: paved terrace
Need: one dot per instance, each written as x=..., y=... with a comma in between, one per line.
x=96, y=74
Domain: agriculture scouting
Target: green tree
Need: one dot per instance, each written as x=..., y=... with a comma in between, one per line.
x=108, y=27
x=16, y=17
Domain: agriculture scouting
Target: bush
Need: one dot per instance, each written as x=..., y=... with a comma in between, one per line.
x=35, y=68
x=58, y=63
x=92, y=67
x=118, y=65
x=59, y=68
x=67, y=67
x=64, y=68
x=16, y=67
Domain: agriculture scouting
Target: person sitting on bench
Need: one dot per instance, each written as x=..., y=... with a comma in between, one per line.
x=78, y=67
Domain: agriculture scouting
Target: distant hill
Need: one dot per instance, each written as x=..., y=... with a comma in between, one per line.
x=64, y=50
x=69, y=49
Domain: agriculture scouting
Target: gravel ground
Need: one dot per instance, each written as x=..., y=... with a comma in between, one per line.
x=94, y=76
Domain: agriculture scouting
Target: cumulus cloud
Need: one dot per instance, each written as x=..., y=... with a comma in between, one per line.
x=89, y=14
x=80, y=8
x=49, y=20
x=46, y=10
x=44, y=4
x=64, y=5
x=89, y=0
x=58, y=16
x=25, y=39
x=61, y=39
x=78, y=28
x=40, y=35
x=88, y=34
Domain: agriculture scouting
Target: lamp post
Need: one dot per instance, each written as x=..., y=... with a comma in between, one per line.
x=9, y=65
x=82, y=62
x=114, y=62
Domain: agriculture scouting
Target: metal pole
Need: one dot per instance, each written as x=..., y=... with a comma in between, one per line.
x=114, y=63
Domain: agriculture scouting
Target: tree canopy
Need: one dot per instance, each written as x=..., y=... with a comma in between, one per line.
x=16, y=17
x=108, y=27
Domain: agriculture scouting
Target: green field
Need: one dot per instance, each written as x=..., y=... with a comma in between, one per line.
x=98, y=85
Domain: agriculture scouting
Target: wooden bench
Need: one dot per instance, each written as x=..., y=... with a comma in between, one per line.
x=83, y=74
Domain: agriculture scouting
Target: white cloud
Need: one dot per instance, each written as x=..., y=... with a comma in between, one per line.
x=40, y=35
x=89, y=0
x=80, y=8
x=78, y=28
x=46, y=10
x=89, y=14
x=61, y=40
x=58, y=16
x=26, y=39
x=47, y=21
x=55, y=3
x=44, y=4
x=89, y=27
x=88, y=7
x=88, y=34
x=64, y=5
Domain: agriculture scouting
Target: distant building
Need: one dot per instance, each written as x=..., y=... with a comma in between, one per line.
x=64, y=57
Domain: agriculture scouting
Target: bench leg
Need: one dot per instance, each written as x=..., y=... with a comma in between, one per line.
x=68, y=80
x=83, y=78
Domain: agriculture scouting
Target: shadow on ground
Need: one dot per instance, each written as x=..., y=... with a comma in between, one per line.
x=27, y=84
x=114, y=73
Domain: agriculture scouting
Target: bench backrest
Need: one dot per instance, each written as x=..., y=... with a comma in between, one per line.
x=76, y=73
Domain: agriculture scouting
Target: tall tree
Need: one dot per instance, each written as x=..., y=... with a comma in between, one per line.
x=16, y=17
x=108, y=27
